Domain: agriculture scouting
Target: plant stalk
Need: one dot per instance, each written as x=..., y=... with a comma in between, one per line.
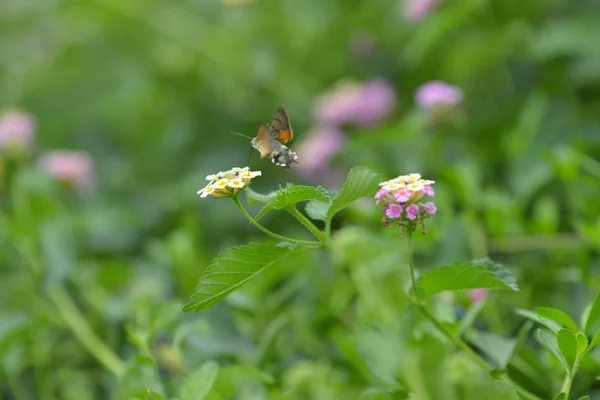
x=84, y=333
x=307, y=223
x=237, y=202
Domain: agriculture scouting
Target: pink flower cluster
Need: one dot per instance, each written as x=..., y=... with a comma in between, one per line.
x=362, y=104
x=18, y=131
x=438, y=94
x=403, y=196
x=417, y=10
x=71, y=167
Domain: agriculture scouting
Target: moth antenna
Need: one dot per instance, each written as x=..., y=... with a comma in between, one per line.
x=240, y=134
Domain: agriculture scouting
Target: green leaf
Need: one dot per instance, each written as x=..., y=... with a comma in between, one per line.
x=59, y=249
x=232, y=269
x=584, y=398
x=582, y=343
x=269, y=337
x=483, y=274
x=154, y=395
x=557, y=315
x=567, y=343
x=594, y=341
x=253, y=197
x=549, y=340
x=294, y=194
x=593, y=317
x=498, y=348
x=200, y=382
x=561, y=396
x=361, y=182
x=317, y=210
x=553, y=326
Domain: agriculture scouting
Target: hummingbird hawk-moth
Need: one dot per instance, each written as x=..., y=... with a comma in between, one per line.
x=271, y=140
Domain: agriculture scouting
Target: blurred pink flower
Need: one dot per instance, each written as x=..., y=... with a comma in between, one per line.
x=316, y=151
x=478, y=295
x=438, y=93
x=430, y=208
x=364, y=104
x=17, y=129
x=417, y=10
x=73, y=167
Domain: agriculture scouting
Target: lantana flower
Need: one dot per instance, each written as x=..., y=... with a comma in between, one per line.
x=228, y=183
x=403, y=200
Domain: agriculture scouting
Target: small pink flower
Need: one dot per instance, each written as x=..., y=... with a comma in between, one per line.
x=428, y=190
x=318, y=148
x=438, y=93
x=403, y=195
x=393, y=211
x=69, y=166
x=478, y=295
x=380, y=195
x=417, y=10
x=17, y=129
x=430, y=208
x=412, y=211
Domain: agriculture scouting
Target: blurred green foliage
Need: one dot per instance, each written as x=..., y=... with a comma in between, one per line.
x=93, y=284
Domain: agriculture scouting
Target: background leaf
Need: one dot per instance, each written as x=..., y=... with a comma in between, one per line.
x=593, y=318
x=559, y=316
x=549, y=340
x=361, y=182
x=560, y=396
x=198, y=385
x=317, y=210
x=232, y=269
x=468, y=275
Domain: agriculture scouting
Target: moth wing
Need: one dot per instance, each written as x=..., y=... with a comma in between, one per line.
x=281, y=128
x=263, y=140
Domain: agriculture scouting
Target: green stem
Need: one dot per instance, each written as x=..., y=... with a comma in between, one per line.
x=569, y=381
x=307, y=223
x=237, y=202
x=411, y=265
x=84, y=333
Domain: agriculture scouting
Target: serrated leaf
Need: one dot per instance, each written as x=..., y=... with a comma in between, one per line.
x=557, y=315
x=548, y=339
x=561, y=396
x=483, y=274
x=253, y=197
x=317, y=210
x=292, y=195
x=582, y=343
x=567, y=343
x=594, y=316
x=200, y=382
x=230, y=270
x=361, y=182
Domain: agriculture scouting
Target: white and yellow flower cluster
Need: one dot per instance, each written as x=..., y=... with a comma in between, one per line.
x=228, y=183
x=412, y=182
